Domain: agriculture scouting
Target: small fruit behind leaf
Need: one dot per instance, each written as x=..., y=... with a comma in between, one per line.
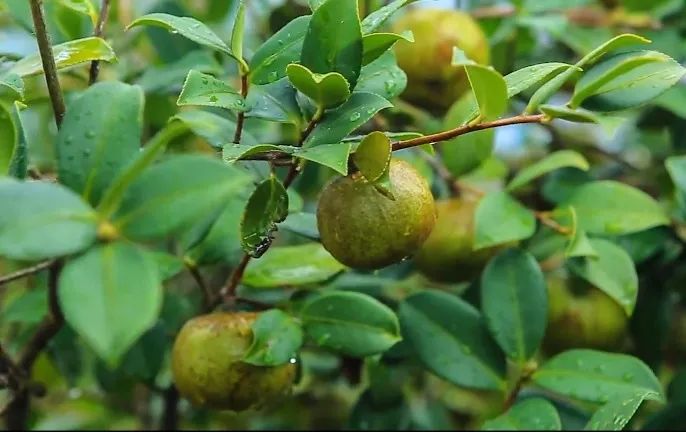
x=432, y=81
x=448, y=254
x=207, y=366
x=581, y=316
x=364, y=229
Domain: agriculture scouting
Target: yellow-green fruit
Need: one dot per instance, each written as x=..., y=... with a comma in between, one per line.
x=448, y=254
x=432, y=81
x=364, y=229
x=582, y=316
x=207, y=366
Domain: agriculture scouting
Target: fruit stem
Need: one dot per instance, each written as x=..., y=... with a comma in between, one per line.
x=97, y=32
x=48, y=60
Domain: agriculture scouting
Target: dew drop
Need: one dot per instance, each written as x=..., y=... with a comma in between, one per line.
x=355, y=116
x=90, y=134
x=213, y=98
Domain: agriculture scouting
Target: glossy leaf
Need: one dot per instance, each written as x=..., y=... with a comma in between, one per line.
x=376, y=19
x=292, y=265
x=66, y=55
x=326, y=90
x=333, y=42
x=274, y=102
x=206, y=90
x=188, y=27
x=612, y=208
x=170, y=195
x=121, y=287
x=340, y=122
x=97, y=140
x=616, y=414
x=43, y=220
x=334, y=156
x=84, y=7
x=277, y=337
x=530, y=76
x=304, y=224
x=351, y=323
x=373, y=156
x=501, y=219
x=451, y=339
x=610, y=124
x=167, y=77
x=217, y=130
x=552, y=162
x=611, y=271
x=267, y=205
x=597, y=376
x=529, y=414
x=237, y=37
x=269, y=62
x=374, y=45
x=382, y=77
x=514, y=301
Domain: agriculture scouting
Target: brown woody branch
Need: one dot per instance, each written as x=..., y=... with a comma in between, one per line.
x=25, y=272
x=98, y=32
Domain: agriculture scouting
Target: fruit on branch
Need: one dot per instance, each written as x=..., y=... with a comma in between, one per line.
x=207, y=366
x=448, y=254
x=581, y=316
x=431, y=80
x=364, y=229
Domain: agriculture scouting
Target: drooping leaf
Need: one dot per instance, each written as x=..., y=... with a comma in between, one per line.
x=267, y=205
x=111, y=295
x=373, y=156
x=452, y=341
x=351, y=323
x=97, y=140
x=514, y=300
x=277, y=337
x=43, y=220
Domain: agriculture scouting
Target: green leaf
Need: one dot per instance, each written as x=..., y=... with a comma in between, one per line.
x=206, y=90
x=269, y=62
x=627, y=80
x=188, y=27
x=530, y=76
x=351, y=323
x=343, y=120
x=166, y=78
x=373, y=156
x=14, y=83
x=237, y=37
x=274, y=102
x=43, y=220
x=326, y=90
x=616, y=414
x=612, y=208
x=169, y=196
x=514, y=301
x=501, y=219
x=552, y=162
x=267, y=205
x=488, y=86
x=97, y=140
x=597, y=376
x=334, y=156
x=8, y=139
x=292, y=265
x=18, y=158
x=382, y=77
x=374, y=45
x=66, y=55
x=529, y=414
x=217, y=130
x=111, y=295
x=451, y=339
x=333, y=42
x=610, y=124
x=375, y=19
x=579, y=244
x=277, y=337
x=304, y=224
x=84, y=7
x=612, y=271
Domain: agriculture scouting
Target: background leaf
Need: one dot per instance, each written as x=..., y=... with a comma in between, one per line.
x=277, y=337
x=501, y=219
x=529, y=414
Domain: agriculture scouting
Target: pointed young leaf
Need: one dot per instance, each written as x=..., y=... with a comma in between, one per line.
x=237, y=37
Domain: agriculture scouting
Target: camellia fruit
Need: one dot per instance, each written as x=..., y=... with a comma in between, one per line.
x=448, y=254
x=581, y=316
x=432, y=81
x=207, y=366
x=364, y=229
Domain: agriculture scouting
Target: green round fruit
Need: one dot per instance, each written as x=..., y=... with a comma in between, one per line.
x=207, y=366
x=582, y=316
x=432, y=81
x=364, y=229
x=448, y=254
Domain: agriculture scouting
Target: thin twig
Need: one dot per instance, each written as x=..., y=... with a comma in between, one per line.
x=25, y=272
x=98, y=32
x=241, y=115
x=228, y=292
x=208, y=296
x=48, y=59
x=545, y=219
